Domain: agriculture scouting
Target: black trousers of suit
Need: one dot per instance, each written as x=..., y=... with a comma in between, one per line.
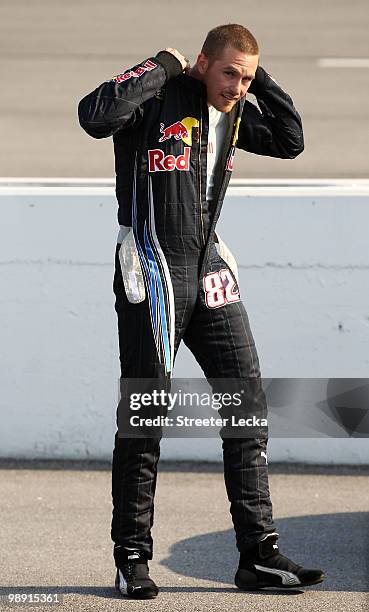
x=220, y=339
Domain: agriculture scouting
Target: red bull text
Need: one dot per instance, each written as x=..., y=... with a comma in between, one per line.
x=148, y=65
x=158, y=162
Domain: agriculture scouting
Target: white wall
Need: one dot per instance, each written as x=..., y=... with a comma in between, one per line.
x=303, y=256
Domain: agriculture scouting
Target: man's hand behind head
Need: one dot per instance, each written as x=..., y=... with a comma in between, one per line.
x=181, y=58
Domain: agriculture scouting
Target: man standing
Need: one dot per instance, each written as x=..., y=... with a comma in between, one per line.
x=175, y=132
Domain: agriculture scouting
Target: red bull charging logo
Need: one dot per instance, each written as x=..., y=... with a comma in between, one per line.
x=180, y=130
x=176, y=130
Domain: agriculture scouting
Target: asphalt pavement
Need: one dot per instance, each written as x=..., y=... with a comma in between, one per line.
x=55, y=538
x=52, y=53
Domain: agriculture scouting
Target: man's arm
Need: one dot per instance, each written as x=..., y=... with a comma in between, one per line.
x=117, y=104
x=276, y=130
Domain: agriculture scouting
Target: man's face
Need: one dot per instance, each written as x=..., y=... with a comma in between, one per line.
x=228, y=77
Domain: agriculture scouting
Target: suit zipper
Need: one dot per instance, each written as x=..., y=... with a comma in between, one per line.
x=220, y=197
x=199, y=173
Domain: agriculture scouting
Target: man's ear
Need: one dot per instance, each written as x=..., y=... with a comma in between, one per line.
x=202, y=63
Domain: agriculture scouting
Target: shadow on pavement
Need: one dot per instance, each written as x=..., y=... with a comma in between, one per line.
x=230, y=589
x=336, y=543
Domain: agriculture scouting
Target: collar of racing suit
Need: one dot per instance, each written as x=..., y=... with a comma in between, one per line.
x=185, y=80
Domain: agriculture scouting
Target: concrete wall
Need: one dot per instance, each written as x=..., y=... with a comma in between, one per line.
x=303, y=256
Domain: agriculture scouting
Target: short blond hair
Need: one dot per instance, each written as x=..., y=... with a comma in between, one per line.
x=231, y=34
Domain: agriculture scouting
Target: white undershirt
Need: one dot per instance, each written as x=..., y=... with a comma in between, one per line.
x=217, y=133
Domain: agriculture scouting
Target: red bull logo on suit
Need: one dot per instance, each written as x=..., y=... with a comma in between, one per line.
x=176, y=130
x=158, y=162
x=179, y=130
x=139, y=71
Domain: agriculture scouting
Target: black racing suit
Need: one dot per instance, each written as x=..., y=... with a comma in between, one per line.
x=183, y=287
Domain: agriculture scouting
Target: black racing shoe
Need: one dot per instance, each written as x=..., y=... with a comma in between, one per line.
x=264, y=566
x=132, y=578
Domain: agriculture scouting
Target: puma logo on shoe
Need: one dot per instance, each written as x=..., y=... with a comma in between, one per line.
x=288, y=578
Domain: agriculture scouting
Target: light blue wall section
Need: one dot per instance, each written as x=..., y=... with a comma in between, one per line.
x=302, y=250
